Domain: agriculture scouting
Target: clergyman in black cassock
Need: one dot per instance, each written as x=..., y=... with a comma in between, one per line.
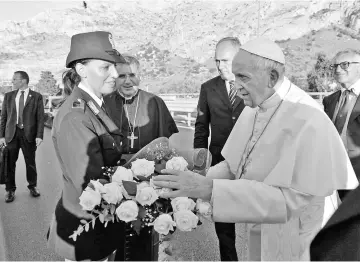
x=142, y=117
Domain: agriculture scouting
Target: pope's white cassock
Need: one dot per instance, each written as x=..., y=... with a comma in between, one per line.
x=286, y=191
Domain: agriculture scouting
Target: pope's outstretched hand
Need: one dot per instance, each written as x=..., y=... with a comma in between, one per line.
x=185, y=184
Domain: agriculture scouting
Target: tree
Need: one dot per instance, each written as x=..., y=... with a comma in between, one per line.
x=321, y=76
x=4, y=89
x=47, y=84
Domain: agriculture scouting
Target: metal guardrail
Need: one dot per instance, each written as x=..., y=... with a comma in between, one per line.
x=183, y=107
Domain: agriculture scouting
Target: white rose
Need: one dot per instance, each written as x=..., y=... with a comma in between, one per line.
x=97, y=186
x=142, y=185
x=163, y=224
x=186, y=220
x=89, y=199
x=163, y=190
x=113, y=193
x=177, y=163
x=182, y=203
x=122, y=174
x=127, y=211
x=143, y=167
x=204, y=208
x=146, y=195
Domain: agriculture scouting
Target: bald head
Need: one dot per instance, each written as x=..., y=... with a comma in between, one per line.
x=226, y=49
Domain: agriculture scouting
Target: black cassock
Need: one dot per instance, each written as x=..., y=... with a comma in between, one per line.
x=152, y=120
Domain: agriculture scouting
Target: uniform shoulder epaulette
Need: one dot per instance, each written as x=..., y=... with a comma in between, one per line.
x=79, y=104
x=93, y=108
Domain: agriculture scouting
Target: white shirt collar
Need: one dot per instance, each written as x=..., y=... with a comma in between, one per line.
x=98, y=100
x=26, y=92
x=280, y=93
x=354, y=88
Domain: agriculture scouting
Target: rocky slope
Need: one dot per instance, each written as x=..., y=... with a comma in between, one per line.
x=174, y=39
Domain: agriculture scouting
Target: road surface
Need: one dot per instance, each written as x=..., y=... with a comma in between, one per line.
x=25, y=221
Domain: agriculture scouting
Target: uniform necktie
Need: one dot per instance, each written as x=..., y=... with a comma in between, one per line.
x=103, y=108
x=343, y=110
x=232, y=92
x=21, y=110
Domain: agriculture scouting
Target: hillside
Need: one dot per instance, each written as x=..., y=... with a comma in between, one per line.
x=175, y=39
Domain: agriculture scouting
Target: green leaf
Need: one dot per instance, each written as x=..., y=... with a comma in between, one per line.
x=108, y=217
x=143, y=178
x=101, y=218
x=105, y=212
x=86, y=227
x=112, y=209
x=130, y=187
x=137, y=225
x=160, y=167
x=91, y=185
x=96, y=211
x=142, y=212
x=80, y=229
x=93, y=222
x=74, y=236
x=83, y=221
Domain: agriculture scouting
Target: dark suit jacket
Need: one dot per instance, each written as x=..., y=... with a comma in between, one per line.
x=215, y=110
x=353, y=128
x=339, y=240
x=33, y=116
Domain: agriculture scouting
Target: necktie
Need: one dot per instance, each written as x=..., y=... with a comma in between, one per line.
x=21, y=110
x=232, y=92
x=103, y=108
x=342, y=112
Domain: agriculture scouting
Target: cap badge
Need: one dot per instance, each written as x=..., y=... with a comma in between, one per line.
x=111, y=40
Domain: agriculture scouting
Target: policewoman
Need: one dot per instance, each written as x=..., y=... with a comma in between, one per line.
x=85, y=140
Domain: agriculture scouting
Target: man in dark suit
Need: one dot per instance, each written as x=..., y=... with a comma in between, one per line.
x=21, y=127
x=339, y=240
x=343, y=106
x=218, y=110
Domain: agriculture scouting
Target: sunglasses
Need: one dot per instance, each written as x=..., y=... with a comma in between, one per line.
x=343, y=65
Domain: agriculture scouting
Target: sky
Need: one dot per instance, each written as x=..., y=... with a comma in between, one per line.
x=23, y=10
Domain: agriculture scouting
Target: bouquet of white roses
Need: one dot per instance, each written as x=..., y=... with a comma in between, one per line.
x=131, y=196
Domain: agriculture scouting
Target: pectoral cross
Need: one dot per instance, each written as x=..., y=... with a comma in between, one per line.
x=132, y=137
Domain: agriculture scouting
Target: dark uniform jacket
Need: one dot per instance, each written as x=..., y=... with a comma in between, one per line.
x=33, y=116
x=353, y=128
x=84, y=143
x=215, y=113
x=339, y=239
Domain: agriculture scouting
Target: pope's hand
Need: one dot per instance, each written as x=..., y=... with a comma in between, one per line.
x=185, y=184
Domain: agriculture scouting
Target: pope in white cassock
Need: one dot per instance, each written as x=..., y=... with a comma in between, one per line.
x=283, y=161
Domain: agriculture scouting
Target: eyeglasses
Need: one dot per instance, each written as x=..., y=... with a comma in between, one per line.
x=343, y=65
x=18, y=79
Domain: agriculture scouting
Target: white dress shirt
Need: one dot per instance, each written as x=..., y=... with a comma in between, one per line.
x=355, y=88
x=90, y=92
x=227, y=86
x=17, y=100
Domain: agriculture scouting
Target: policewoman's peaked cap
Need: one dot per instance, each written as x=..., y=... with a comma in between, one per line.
x=93, y=45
